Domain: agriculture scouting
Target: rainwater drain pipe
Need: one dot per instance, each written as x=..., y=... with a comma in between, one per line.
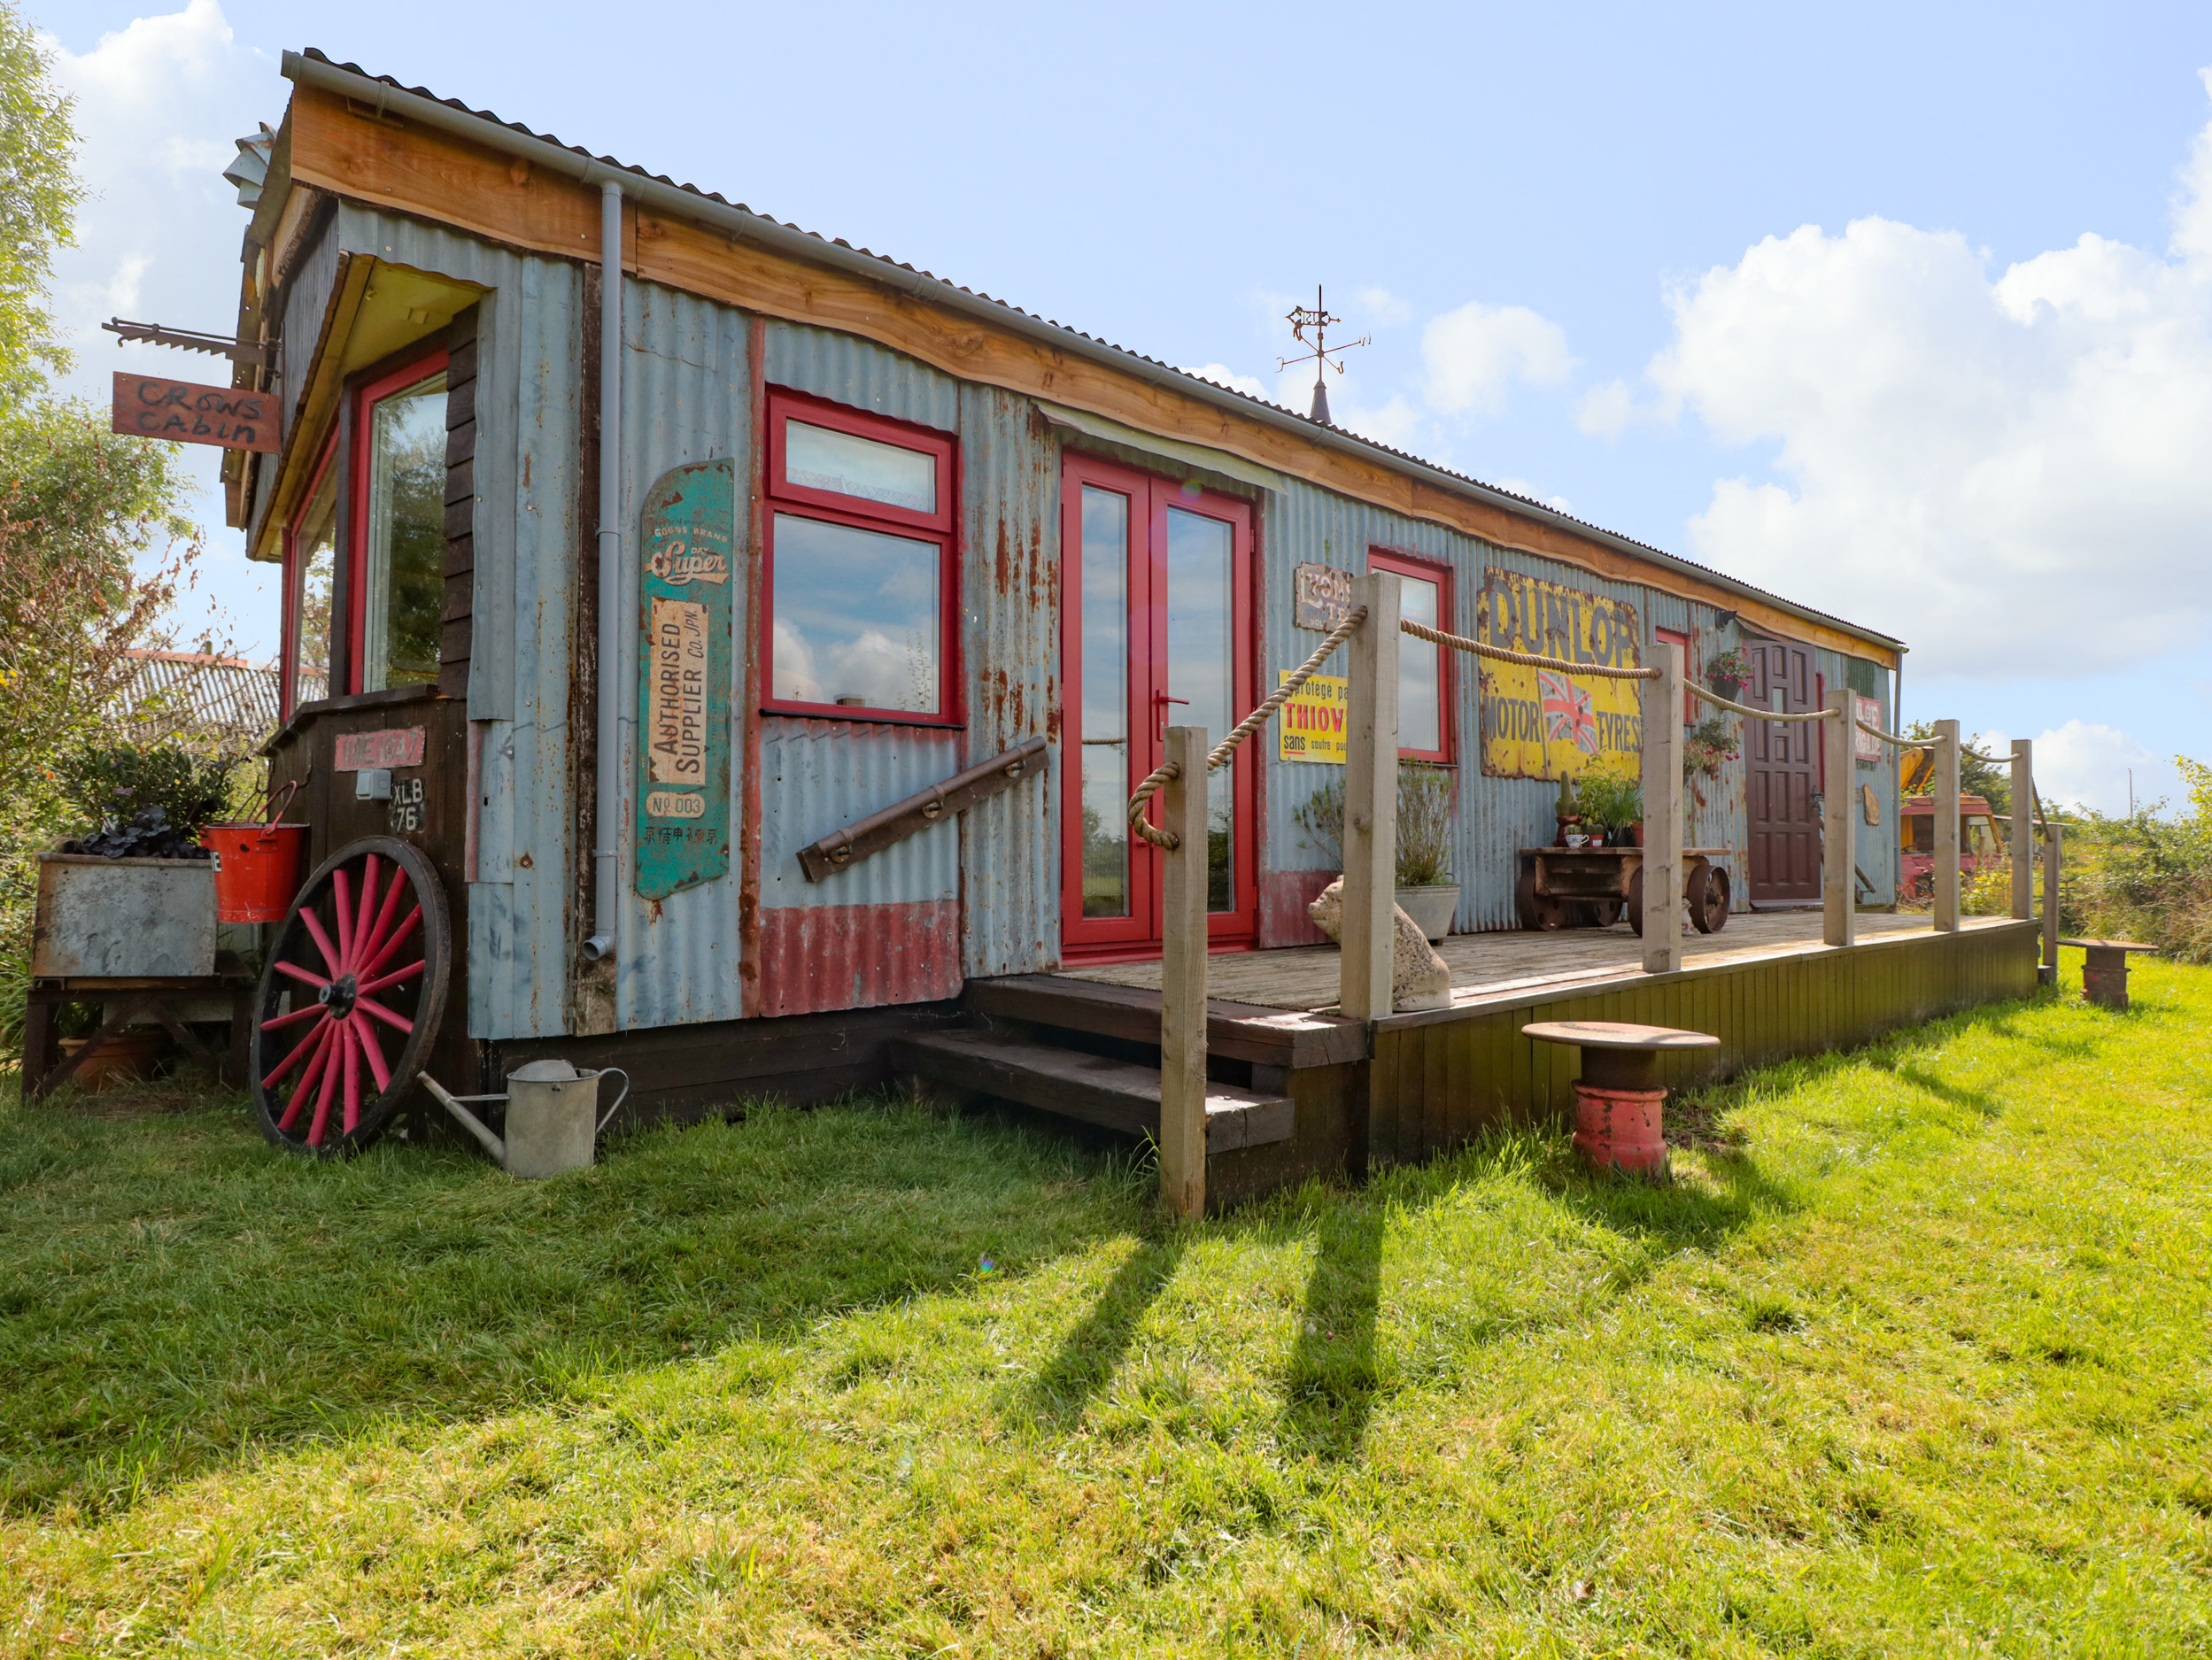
x=607, y=868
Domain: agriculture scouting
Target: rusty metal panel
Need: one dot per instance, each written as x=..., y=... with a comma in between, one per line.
x=1717, y=810
x=846, y=369
x=687, y=398
x=818, y=775
x=823, y=958
x=528, y=386
x=1875, y=849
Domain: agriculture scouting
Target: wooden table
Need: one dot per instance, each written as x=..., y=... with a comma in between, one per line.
x=1564, y=887
x=2104, y=973
x=131, y=997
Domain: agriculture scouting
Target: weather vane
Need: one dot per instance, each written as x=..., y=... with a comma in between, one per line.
x=1317, y=319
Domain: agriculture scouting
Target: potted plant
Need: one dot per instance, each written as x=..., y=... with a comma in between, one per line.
x=1566, y=811
x=1613, y=801
x=1729, y=672
x=1425, y=889
x=1707, y=746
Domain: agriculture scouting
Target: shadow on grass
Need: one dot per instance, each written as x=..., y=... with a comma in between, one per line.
x=1333, y=1377
x=1090, y=1354
x=180, y=1295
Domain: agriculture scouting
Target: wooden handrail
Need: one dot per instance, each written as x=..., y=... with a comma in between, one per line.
x=841, y=850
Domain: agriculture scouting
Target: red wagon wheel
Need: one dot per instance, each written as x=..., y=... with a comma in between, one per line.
x=350, y=1002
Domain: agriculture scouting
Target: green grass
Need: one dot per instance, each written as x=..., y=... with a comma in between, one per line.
x=1914, y=1356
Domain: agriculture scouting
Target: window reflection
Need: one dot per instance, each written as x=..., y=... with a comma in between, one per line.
x=1105, y=702
x=406, y=541
x=856, y=617
x=817, y=457
x=1200, y=659
x=315, y=545
x=1421, y=671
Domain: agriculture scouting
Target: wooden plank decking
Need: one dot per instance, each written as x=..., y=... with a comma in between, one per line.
x=1485, y=966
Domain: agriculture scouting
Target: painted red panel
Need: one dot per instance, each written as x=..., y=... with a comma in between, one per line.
x=816, y=957
x=1283, y=898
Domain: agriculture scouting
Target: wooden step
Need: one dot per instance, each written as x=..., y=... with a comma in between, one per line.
x=1112, y=1093
x=1236, y=1032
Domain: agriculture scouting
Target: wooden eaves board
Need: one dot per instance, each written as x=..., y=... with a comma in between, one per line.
x=387, y=163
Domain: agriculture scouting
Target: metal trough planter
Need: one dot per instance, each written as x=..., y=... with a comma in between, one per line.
x=123, y=918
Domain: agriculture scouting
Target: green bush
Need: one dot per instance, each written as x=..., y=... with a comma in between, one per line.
x=111, y=785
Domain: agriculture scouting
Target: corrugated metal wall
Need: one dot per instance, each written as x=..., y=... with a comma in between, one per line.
x=1874, y=847
x=526, y=535
x=1719, y=807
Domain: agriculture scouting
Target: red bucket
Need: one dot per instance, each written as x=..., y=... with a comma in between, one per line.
x=258, y=869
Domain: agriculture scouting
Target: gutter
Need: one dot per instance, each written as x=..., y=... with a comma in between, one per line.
x=737, y=222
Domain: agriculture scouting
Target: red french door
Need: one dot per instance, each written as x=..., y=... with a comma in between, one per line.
x=1156, y=598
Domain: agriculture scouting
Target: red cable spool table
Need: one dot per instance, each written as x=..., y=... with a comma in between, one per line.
x=1618, y=1123
x=2105, y=973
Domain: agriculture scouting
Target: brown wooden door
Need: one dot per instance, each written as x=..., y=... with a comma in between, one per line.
x=1783, y=763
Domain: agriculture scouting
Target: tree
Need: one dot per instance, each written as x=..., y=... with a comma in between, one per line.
x=39, y=193
x=1990, y=780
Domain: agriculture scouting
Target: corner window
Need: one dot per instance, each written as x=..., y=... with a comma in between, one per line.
x=859, y=585
x=398, y=549
x=310, y=563
x=1424, y=672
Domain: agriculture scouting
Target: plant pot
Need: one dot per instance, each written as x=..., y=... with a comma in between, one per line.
x=1727, y=685
x=1432, y=909
x=123, y=1059
x=1565, y=824
x=1625, y=835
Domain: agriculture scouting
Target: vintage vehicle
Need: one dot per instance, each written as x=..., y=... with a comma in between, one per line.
x=1981, y=840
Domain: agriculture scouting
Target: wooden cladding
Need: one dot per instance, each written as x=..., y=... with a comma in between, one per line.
x=454, y=637
x=384, y=162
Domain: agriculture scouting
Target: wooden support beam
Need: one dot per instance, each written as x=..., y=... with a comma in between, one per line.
x=1370, y=800
x=1662, y=701
x=1946, y=827
x=2051, y=902
x=2023, y=857
x=1183, y=977
x=1839, y=896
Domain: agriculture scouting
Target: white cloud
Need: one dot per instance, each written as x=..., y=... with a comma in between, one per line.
x=159, y=103
x=1222, y=374
x=1604, y=412
x=2009, y=472
x=2085, y=764
x=1375, y=305
x=1474, y=353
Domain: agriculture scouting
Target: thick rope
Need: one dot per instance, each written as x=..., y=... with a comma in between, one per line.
x=1975, y=754
x=1528, y=660
x=1219, y=756
x=1718, y=701
x=1891, y=738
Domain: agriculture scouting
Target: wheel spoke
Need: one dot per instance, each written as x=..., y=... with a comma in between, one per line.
x=277, y=1022
x=342, y=913
x=380, y=935
x=306, y=976
x=372, y=1050
x=349, y=1038
x=398, y=1022
x=322, y=940
x=368, y=904
x=308, y=1079
x=329, y=1085
x=300, y=1050
x=393, y=978
x=392, y=946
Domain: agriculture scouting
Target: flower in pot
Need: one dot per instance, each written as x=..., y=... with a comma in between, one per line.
x=1425, y=891
x=1566, y=811
x=1612, y=800
x=1728, y=672
x=1708, y=747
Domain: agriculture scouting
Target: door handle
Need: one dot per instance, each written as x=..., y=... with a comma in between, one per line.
x=1160, y=700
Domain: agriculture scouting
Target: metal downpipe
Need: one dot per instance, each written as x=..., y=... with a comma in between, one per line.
x=607, y=865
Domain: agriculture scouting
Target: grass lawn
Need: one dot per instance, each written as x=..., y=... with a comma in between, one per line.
x=1916, y=1356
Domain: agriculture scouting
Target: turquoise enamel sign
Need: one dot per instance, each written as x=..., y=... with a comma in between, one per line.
x=687, y=554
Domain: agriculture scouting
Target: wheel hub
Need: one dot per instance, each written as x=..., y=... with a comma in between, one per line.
x=339, y=995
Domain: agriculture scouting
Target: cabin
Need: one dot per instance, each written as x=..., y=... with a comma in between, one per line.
x=762, y=640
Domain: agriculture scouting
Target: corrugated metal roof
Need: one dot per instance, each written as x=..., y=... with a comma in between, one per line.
x=1153, y=366
x=191, y=694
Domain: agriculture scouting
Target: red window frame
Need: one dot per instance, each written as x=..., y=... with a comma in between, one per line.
x=1437, y=572
x=1675, y=637
x=355, y=550
x=831, y=508
x=1137, y=935
x=288, y=621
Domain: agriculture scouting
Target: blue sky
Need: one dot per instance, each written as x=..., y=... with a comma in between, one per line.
x=1908, y=317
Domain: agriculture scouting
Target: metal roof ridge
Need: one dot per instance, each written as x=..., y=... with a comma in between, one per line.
x=313, y=65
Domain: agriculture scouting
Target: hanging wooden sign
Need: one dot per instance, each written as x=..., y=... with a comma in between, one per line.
x=687, y=556
x=147, y=406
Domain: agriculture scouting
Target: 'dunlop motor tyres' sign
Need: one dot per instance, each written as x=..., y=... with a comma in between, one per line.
x=1549, y=724
x=687, y=553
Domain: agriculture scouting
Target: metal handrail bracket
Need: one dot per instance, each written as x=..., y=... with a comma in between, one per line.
x=841, y=850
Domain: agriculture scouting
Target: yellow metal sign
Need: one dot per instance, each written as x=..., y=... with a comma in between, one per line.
x=1310, y=726
x=1546, y=723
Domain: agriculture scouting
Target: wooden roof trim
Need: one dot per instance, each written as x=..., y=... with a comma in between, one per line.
x=382, y=160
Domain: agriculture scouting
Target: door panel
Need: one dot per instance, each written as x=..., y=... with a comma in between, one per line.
x=1782, y=775
x=1155, y=630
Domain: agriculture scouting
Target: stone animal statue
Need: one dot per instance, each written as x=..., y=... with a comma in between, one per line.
x=1418, y=978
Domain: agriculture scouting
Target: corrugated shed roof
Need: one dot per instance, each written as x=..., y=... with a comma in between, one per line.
x=1154, y=367
x=190, y=694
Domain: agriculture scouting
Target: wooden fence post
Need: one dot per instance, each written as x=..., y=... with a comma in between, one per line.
x=2024, y=855
x=1839, y=878
x=1371, y=801
x=1183, y=977
x=2050, y=901
x=1662, y=702
x=1946, y=827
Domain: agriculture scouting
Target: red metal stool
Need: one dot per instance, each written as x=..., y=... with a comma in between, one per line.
x=1618, y=1123
x=2105, y=974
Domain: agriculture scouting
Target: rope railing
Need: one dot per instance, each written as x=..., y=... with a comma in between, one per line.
x=1890, y=737
x=1756, y=714
x=1219, y=755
